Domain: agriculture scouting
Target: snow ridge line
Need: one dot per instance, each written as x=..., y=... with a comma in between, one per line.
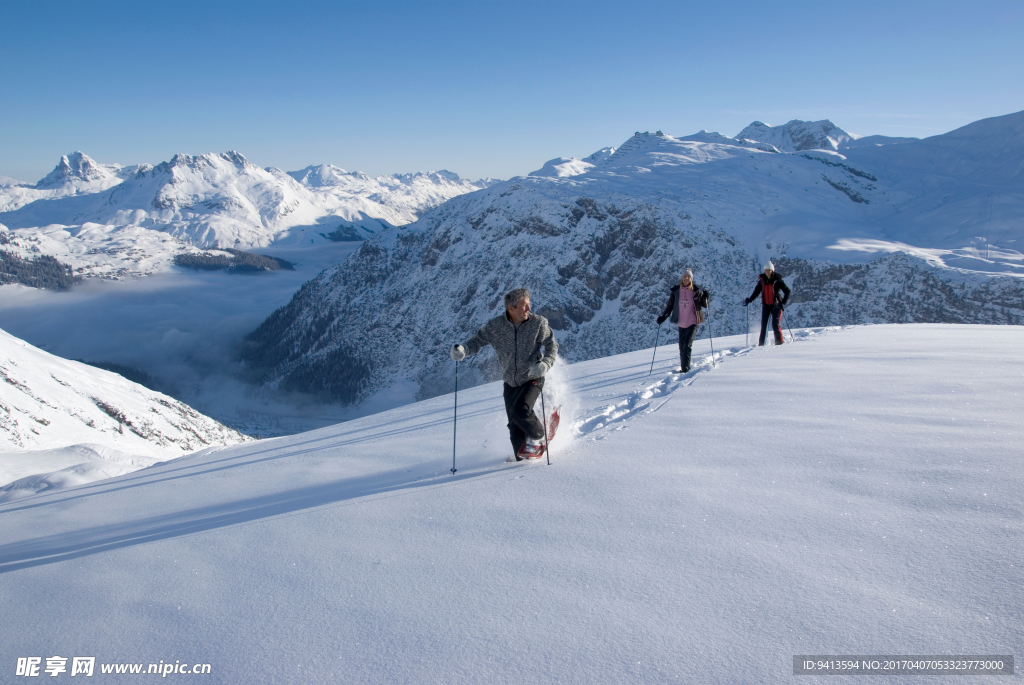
x=643, y=401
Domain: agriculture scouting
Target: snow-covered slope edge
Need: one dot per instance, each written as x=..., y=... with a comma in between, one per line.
x=57, y=414
x=857, y=492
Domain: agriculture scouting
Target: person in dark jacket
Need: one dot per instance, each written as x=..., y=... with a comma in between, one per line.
x=517, y=336
x=774, y=295
x=683, y=309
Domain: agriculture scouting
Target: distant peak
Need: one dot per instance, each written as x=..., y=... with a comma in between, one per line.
x=797, y=135
x=205, y=161
x=76, y=166
x=319, y=175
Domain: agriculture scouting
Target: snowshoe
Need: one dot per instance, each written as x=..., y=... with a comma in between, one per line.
x=552, y=424
x=531, y=450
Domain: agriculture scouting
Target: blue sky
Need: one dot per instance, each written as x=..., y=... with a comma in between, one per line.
x=481, y=88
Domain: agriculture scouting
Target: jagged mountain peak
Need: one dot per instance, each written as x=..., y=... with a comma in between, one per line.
x=206, y=161
x=797, y=135
x=77, y=167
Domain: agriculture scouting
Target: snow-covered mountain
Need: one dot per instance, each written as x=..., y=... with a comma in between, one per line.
x=852, y=492
x=797, y=135
x=56, y=414
x=211, y=200
x=79, y=172
x=75, y=173
x=600, y=249
x=406, y=195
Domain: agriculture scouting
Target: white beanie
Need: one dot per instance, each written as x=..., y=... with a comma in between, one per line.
x=688, y=272
x=769, y=265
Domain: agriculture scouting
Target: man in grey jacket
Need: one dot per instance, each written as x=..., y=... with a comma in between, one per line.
x=517, y=337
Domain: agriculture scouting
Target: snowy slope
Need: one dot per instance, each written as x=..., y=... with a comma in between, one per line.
x=963, y=189
x=214, y=200
x=560, y=167
x=875, y=141
x=857, y=492
x=56, y=414
x=601, y=249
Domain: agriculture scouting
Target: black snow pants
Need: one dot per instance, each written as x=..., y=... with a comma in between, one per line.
x=686, y=336
x=522, y=422
x=768, y=310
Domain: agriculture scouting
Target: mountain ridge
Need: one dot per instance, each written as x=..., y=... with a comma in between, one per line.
x=205, y=201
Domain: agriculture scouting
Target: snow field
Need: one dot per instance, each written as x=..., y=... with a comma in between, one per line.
x=855, y=492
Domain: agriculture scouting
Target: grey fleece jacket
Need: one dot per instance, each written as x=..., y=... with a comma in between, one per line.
x=517, y=347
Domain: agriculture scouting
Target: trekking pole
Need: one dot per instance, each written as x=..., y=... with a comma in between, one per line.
x=656, y=336
x=455, y=416
x=710, y=336
x=746, y=308
x=544, y=410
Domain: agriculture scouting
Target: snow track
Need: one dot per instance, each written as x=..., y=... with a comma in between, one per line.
x=652, y=397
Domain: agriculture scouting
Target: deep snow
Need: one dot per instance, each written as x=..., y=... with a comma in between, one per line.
x=857, y=492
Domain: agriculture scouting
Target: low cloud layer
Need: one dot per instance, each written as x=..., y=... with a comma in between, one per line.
x=182, y=328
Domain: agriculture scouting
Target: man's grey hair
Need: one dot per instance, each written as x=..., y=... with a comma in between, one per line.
x=515, y=297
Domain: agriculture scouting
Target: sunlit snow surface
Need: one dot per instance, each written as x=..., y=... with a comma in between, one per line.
x=856, y=492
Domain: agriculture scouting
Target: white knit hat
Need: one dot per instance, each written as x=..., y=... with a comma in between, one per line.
x=770, y=266
x=688, y=272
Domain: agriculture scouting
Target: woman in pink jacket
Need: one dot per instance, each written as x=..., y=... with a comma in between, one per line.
x=683, y=309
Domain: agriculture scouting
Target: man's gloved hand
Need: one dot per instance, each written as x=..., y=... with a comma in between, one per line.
x=458, y=353
x=538, y=370
x=661, y=319
x=779, y=307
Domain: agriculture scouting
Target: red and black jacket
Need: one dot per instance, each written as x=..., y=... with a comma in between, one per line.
x=774, y=291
